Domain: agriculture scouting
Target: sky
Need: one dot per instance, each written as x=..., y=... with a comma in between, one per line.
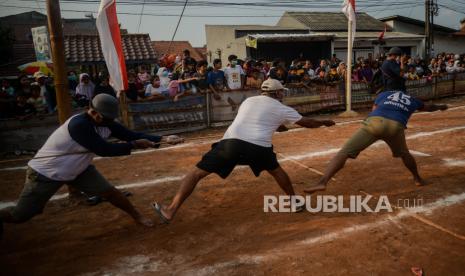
x=193, y=28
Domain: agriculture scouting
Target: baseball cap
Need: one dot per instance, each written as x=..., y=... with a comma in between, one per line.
x=272, y=85
x=106, y=105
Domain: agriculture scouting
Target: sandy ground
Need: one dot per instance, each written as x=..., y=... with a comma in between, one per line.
x=222, y=229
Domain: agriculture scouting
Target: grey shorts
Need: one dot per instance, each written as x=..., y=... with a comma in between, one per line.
x=38, y=190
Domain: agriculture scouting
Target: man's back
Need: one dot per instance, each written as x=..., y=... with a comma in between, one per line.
x=258, y=118
x=391, y=76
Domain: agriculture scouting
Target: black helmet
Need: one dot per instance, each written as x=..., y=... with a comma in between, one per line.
x=395, y=51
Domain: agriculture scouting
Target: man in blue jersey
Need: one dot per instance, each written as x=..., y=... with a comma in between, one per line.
x=387, y=121
x=66, y=158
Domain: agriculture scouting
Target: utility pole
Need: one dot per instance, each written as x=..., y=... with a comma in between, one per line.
x=427, y=30
x=55, y=28
x=434, y=11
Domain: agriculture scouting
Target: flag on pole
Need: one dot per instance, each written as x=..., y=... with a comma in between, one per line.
x=110, y=40
x=381, y=34
x=349, y=10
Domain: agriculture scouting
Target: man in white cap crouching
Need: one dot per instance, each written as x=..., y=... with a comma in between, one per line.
x=246, y=142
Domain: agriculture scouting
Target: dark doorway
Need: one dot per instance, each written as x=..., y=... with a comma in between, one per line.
x=288, y=51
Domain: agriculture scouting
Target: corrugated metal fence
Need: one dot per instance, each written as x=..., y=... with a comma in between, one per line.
x=201, y=111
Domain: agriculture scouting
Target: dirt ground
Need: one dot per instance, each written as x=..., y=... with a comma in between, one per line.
x=223, y=230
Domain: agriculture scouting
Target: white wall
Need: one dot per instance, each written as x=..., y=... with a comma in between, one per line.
x=223, y=38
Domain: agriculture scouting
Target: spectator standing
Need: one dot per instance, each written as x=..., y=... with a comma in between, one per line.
x=85, y=90
x=104, y=87
x=135, y=88
x=153, y=91
x=46, y=91
x=323, y=67
x=187, y=59
x=235, y=76
x=72, y=82
x=163, y=75
x=309, y=69
x=201, y=75
x=144, y=76
x=216, y=79
x=37, y=100
x=23, y=109
x=393, y=72
x=366, y=74
x=24, y=87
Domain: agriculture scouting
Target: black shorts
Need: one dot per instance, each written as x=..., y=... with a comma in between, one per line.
x=226, y=154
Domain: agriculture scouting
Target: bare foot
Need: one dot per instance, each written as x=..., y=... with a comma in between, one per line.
x=144, y=221
x=420, y=182
x=315, y=188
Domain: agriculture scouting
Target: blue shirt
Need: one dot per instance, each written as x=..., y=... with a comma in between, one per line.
x=216, y=79
x=396, y=105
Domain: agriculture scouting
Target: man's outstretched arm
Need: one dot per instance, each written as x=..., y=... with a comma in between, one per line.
x=311, y=123
x=433, y=107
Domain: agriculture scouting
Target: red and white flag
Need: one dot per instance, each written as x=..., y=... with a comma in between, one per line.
x=110, y=39
x=348, y=9
x=381, y=34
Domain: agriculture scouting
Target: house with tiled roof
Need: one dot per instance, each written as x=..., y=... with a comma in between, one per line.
x=163, y=47
x=82, y=44
x=308, y=35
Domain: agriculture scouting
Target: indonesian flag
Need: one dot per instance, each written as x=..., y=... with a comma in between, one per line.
x=381, y=34
x=349, y=10
x=110, y=39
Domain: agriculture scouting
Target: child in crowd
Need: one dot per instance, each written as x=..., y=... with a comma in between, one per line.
x=37, y=100
x=174, y=88
x=144, y=76
x=153, y=91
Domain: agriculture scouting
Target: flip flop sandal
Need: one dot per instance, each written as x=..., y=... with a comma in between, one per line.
x=157, y=209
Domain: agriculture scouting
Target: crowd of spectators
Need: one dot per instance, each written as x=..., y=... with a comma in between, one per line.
x=175, y=77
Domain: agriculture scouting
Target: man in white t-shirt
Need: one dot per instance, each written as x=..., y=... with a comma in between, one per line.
x=235, y=76
x=246, y=142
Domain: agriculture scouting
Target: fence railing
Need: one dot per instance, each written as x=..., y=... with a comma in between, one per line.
x=202, y=111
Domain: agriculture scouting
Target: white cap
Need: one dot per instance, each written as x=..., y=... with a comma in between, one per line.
x=272, y=85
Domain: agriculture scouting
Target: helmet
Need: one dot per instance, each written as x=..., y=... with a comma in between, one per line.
x=106, y=105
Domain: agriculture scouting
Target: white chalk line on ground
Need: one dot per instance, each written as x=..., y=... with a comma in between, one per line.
x=153, y=264
x=213, y=140
x=309, y=155
x=454, y=162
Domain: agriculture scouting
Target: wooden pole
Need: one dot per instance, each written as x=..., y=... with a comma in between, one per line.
x=58, y=58
x=349, y=112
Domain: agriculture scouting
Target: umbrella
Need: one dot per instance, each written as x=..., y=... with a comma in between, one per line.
x=32, y=67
